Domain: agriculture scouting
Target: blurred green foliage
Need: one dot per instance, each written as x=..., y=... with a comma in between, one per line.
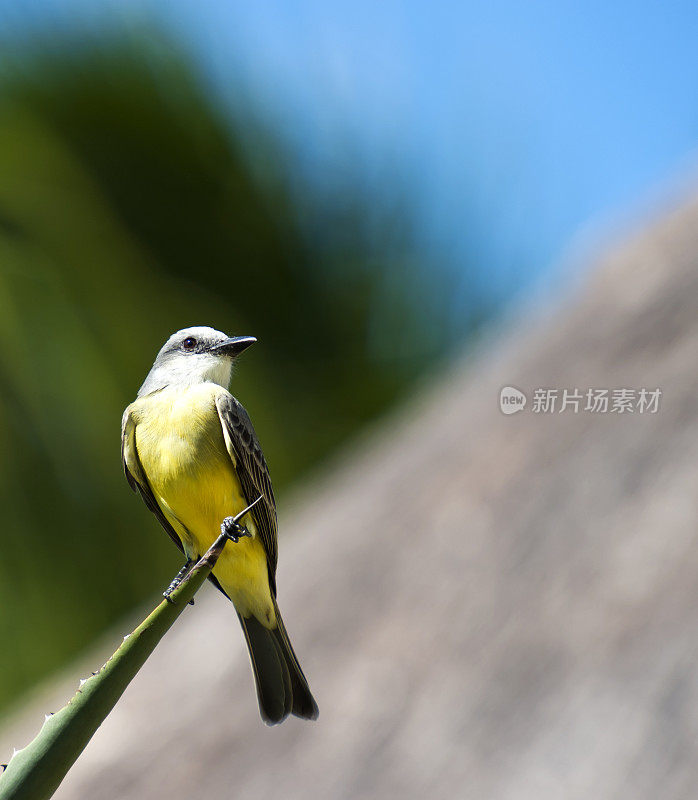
x=131, y=206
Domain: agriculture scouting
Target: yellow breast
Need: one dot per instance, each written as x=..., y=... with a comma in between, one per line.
x=180, y=443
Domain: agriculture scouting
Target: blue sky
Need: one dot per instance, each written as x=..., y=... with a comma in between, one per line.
x=515, y=125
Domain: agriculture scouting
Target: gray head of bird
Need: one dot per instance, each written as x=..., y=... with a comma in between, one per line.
x=195, y=355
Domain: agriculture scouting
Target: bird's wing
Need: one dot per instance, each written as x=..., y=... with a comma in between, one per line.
x=251, y=467
x=136, y=477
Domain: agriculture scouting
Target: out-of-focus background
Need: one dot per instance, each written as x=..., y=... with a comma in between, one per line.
x=405, y=203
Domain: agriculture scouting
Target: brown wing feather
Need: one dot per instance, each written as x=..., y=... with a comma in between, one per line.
x=253, y=473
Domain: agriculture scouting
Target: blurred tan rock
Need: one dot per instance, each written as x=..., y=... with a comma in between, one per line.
x=486, y=606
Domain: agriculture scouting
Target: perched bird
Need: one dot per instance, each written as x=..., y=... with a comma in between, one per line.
x=189, y=448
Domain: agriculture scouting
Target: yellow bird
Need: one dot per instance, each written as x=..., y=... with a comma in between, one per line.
x=189, y=448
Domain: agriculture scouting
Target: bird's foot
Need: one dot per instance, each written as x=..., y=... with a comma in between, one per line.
x=231, y=528
x=178, y=578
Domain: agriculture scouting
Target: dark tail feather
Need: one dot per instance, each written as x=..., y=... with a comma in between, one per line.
x=281, y=686
x=304, y=704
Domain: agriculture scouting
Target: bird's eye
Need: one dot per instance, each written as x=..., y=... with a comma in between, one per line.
x=189, y=343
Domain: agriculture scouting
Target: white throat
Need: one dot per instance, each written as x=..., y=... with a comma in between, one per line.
x=187, y=369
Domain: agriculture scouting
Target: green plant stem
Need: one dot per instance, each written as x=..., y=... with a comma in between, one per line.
x=35, y=772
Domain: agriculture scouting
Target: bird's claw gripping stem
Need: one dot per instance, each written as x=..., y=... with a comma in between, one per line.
x=178, y=578
x=233, y=530
x=231, y=527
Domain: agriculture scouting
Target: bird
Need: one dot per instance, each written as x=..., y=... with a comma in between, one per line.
x=189, y=449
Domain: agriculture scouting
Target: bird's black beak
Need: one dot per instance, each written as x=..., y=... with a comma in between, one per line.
x=233, y=346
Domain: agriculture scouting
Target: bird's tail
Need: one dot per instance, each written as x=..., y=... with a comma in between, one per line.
x=281, y=686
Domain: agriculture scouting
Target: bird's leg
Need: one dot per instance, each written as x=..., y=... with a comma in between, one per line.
x=231, y=528
x=178, y=578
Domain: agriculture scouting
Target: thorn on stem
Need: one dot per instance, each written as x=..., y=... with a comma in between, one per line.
x=244, y=511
